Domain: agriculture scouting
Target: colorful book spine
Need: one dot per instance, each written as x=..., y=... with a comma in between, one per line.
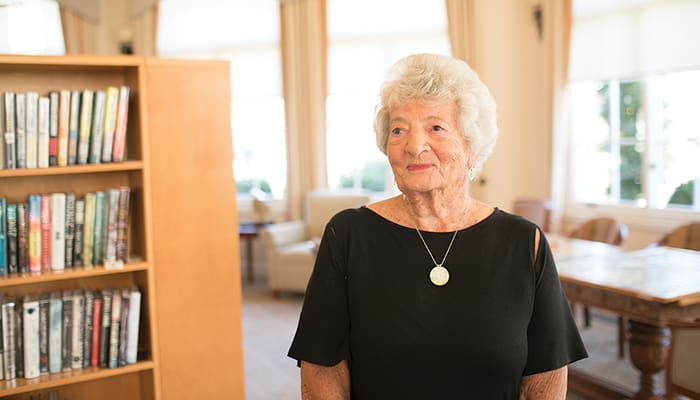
x=45, y=232
x=32, y=129
x=64, y=104
x=23, y=237
x=34, y=229
x=9, y=342
x=55, y=331
x=78, y=233
x=111, y=103
x=12, y=250
x=113, y=361
x=123, y=327
x=118, y=151
x=105, y=327
x=54, y=98
x=74, y=126
x=132, y=337
x=89, y=229
x=4, y=269
x=98, y=125
x=101, y=204
x=88, y=327
x=85, y=125
x=9, y=131
x=2, y=130
x=58, y=230
x=44, y=334
x=96, y=330
x=123, y=224
x=78, y=326
x=69, y=228
x=43, y=138
x=67, y=328
x=21, y=130
x=30, y=321
x=110, y=258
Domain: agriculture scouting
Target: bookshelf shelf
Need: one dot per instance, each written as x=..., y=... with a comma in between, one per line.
x=46, y=382
x=69, y=274
x=72, y=169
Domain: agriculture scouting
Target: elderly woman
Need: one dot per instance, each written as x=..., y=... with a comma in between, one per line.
x=433, y=294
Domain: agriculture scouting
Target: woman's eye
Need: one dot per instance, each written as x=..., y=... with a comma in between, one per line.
x=396, y=131
x=437, y=128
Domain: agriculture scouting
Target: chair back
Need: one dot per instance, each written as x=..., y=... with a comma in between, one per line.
x=538, y=211
x=685, y=237
x=602, y=229
x=683, y=362
x=322, y=205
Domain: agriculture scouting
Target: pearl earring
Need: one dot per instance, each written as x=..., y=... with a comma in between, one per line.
x=471, y=174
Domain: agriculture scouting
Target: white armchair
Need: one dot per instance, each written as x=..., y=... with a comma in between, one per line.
x=290, y=245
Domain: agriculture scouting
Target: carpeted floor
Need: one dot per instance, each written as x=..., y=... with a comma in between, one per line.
x=269, y=324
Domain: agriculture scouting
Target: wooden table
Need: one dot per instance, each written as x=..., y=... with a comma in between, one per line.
x=648, y=287
x=248, y=232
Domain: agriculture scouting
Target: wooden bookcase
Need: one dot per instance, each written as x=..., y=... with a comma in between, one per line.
x=183, y=241
x=41, y=74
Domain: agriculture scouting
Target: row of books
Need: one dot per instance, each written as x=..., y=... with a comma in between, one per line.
x=68, y=330
x=65, y=127
x=55, y=231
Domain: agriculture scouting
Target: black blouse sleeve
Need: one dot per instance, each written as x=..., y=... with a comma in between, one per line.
x=322, y=335
x=553, y=338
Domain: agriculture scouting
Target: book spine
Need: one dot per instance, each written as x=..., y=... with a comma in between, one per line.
x=58, y=231
x=21, y=130
x=132, y=337
x=88, y=327
x=9, y=330
x=32, y=129
x=55, y=331
x=96, y=330
x=110, y=259
x=23, y=237
x=89, y=229
x=67, y=326
x=85, y=126
x=10, y=134
x=44, y=334
x=78, y=326
x=100, y=225
x=105, y=328
x=54, y=98
x=2, y=130
x=3, y=237
x=45, y=232
x=43, y=138
x=19, y=338
x=70, y=228
x=78, y=233
x=118, y=152
x=3, y=344
x=113, y=360
x=34, y=221
x=63, y=122
x=31, y=338
x=12, y=251
x=74, y=126
x=98, y=124
x=111, y=104
x=123, y=224
x=123, y=327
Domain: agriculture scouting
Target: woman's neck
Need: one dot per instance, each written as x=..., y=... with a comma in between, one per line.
x=437, y=211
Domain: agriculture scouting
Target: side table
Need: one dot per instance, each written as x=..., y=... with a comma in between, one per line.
x=247, y=232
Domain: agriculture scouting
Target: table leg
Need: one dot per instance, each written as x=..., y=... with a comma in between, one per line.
x=649, y=347
x=249, y=257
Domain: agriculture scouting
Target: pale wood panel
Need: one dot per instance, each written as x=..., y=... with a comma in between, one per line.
x=194, y=230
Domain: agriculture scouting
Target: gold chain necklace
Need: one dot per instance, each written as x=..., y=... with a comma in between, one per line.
x=439, y=275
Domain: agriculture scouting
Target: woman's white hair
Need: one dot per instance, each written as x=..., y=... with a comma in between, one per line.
x=431, y=77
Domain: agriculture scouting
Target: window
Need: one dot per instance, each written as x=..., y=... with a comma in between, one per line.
x=364, y=41
x=246, y=33
x=31, y=27
x=635, y=135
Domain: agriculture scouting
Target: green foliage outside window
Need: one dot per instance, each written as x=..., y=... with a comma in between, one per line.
x=683, y=195
x=372, y=177
x=246, y=185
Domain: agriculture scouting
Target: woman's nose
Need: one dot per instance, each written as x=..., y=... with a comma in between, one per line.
x=417, y=142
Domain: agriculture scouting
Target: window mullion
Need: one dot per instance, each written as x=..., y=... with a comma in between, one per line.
x=615, y=134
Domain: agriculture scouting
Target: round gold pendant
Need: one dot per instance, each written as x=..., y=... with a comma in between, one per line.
x=439, y=275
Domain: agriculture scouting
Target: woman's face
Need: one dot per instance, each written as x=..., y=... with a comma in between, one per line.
x=425, y=148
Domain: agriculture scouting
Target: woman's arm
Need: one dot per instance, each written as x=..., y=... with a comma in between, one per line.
x=550, y=385
x=325, y=383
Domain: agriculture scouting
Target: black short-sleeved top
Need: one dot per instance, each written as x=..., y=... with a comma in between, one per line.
x=370, y=301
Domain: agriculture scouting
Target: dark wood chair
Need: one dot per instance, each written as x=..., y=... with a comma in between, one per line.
x=611, y=231
x=538, y=211
x=683, y=362
x=685, y=237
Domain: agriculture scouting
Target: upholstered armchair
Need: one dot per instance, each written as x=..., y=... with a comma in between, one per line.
x=291, y=246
